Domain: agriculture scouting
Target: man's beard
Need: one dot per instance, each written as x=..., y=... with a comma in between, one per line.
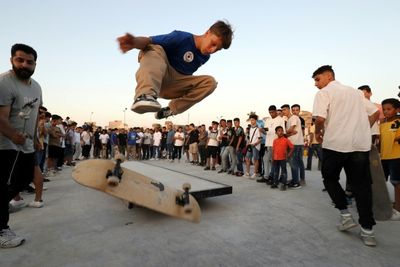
x=23, y=73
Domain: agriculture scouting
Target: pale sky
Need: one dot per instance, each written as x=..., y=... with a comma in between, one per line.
x=276, y=47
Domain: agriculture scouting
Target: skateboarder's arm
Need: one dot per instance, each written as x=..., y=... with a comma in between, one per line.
x=129, y=42
x=6, y=129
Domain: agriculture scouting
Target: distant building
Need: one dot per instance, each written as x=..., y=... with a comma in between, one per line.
x=116, y=124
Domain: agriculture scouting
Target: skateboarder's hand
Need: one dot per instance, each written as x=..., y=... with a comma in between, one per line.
x=126, y=42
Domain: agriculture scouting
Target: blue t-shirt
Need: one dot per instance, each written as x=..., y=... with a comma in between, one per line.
x=132, y=138
x=181, y=51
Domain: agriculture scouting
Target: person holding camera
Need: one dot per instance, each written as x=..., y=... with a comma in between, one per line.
x=253, y=147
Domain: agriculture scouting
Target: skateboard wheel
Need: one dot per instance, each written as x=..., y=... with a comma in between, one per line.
x=112, y=181
x=186, y=186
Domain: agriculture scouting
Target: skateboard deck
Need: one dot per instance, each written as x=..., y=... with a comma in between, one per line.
x=381, y=203
x=137, y=189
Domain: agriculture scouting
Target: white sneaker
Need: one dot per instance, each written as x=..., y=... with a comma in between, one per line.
x=395, y=216
x=247, y=175
x=254, y=176
x=368, y=237
x=346, y=222
x=145, y=103
x=17, y=204
x=36, y=204
x=8, y=239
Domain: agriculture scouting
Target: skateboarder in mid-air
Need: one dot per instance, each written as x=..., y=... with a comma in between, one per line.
x=167, y=63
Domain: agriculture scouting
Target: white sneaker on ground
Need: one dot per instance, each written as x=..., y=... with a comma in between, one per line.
x=16, y=204
x=36, y=204
x=346, y=222
x=254, y=176
x=368, y=237
x=145, y=103
x=8, y=239
x=247, y=175
x=395, y=216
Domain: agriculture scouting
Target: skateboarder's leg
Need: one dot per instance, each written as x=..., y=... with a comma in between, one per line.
x=186, y=90
x=153, y=65
x=359, y=178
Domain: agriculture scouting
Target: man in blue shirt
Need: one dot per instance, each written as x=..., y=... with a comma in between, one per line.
x=167, y=63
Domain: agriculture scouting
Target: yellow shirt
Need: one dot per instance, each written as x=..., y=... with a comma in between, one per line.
x=390, y=149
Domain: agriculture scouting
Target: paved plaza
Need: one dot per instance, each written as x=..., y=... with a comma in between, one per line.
x=253, y=226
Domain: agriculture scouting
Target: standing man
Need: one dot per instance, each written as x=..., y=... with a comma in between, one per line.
x=271, y=123
x=295, y=135
x=343, y=122
x=20, y=98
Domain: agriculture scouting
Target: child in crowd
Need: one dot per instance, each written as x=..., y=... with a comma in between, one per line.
x=390, y=148
x=279, y=158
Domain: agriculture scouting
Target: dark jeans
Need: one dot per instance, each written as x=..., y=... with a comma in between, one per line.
x=356, y=165
x=261, y=159
x=239, y=154
x=276, y=166
x=177, y=152
x=203, y=154
x=43, y=157
x=296, y=164
x=21, y=176
x=86, y=151
x=311, y=149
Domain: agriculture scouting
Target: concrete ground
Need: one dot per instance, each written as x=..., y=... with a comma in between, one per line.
x=255, y=226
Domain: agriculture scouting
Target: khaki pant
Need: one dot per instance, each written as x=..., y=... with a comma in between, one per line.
x=156, y=77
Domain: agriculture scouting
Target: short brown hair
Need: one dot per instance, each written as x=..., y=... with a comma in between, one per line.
x=224, y=31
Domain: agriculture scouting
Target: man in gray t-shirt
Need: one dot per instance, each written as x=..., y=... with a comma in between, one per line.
x=20, y=98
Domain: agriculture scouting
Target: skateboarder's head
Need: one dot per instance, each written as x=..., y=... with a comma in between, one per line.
x=390, y=107
x=323, y=76
x=218, y=36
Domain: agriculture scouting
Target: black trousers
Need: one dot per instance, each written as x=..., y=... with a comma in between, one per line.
x=356, y=165
x=21, y=176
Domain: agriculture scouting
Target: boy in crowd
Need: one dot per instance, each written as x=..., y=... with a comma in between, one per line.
x=212, y=147
x=390, y=148
x=167, y=63
x=279, y=156
x=295, y=135
x=253, y=147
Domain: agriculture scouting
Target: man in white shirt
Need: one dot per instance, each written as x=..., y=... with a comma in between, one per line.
x=270, y=124
x=343, y=122
x=295, y=135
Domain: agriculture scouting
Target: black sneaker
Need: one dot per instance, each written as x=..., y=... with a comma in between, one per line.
x=221, y=171
x=261, y=180
x=274, y=186
x=207, y=168
x=294, y=186
x=145, y=103
x=163, y=113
